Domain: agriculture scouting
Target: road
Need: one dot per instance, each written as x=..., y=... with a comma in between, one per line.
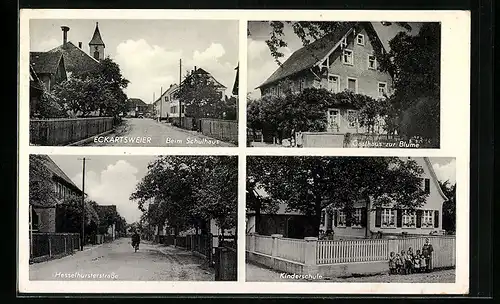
x=146, y=132
x=257, y=273
x=118, y=261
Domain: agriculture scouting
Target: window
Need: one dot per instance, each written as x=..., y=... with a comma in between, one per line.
x=409, y=219
x=323, y=217
x=333, y=120
x=382, y=89
x=427, y=219
x=357, y=217
x=352, y=118
x=388, y=218
x=343, y=42
x=333, y=83
x=427, y=185
x=341, y=219
x=348, y=57
x=372, y=62
x=352, y=85
x=302, y=84
x=360, y=39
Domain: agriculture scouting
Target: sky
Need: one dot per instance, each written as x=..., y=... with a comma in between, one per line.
x=148, y=51
x=109, y=180
x=261, y=64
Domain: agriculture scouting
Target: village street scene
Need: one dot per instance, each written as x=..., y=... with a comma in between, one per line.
x=118, y=83
x=350, y=219
x=102, y=218
x=343, y=84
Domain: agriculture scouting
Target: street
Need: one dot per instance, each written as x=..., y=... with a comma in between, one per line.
x=146, y=132
x=118, y=261
x=257, y=273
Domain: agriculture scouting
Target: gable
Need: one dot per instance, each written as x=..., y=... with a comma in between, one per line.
x=75, y=59
x=318, y=51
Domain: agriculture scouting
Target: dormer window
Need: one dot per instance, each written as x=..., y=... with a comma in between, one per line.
x=360, y=39
x=348, y=57
x=343, y=42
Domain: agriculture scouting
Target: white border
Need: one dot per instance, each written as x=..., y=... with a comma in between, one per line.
x=455, y=80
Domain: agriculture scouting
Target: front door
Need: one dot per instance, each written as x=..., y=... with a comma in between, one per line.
x=333, y=120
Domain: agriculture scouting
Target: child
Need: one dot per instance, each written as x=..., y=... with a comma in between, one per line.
x=392, y=263
x=416, y=261
x=403, y=260
x=399, y=264
x=409, y=261
x=423, y=264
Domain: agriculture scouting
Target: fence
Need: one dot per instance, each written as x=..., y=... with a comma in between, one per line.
x=64, y=131
x=225, y=130
x=341, y=257
x=52, y=244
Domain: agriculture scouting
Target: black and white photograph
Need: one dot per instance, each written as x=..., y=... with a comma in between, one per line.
x=153, y=83
x=351, y=219
x=133, y=218
x=319, y=84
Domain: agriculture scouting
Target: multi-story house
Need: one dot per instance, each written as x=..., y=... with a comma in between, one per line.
x=341, y=60
x=44, y=214
x=366, y=220
x=167, y=106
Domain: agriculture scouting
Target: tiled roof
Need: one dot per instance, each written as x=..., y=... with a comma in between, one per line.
x=202, y=71
x=54, y=168
x=45, y=62
x=75, y=59
x=96, y=39
x=307, y=56
x=137, y=102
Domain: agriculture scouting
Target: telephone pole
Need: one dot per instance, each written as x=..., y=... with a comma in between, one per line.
x=161, y=102
x=180, y=81
x=83, y=204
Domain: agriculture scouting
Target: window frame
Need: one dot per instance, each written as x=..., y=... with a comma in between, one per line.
x=358, y=217
x=356, y=84
x=374, y=62
x=352, y=57
x=355, y=119
x=409, y=216
x=362, y=37
x=338, y=82
x=343, y=42
x=429, y=215
x=387, y=215
x=378, y=89
x=341, y=215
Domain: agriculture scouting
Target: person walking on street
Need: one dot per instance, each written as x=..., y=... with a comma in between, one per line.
x=136, y=239
x=427, y=253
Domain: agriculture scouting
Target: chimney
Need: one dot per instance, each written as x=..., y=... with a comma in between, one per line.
x=195, y=68
x=65, y=30
x=80, y=44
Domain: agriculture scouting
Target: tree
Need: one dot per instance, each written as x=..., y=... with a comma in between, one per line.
x=41, y=188
x=96, y=90
x=310, y=184
x=449, y=206
x=70, y=215
x=200, y=96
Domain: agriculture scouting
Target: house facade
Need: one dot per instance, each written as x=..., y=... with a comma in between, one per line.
x=167, y=106
x=342, y=60
x=136, y=107
x=386, y=220
x=43, y=214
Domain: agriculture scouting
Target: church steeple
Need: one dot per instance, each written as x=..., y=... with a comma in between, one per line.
x=96, y=45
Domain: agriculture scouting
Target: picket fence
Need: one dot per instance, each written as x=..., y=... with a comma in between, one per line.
x=350, y=251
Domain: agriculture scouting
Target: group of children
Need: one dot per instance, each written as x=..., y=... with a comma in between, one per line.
x=408, y=262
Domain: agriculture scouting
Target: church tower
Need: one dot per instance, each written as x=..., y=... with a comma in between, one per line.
x=96, y=45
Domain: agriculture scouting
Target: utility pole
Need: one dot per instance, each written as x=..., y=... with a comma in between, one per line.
x=180, y=81
x=83, y=204
x=161, y=102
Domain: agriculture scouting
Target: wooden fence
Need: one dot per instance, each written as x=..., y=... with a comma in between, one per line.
x=65, y=131
x=225, y=130
x=351, y=251
x=53, y=244
x=291, y=249
x=327, y=252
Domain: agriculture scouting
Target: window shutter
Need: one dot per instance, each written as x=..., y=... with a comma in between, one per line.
x=348, y=218
x=399, y=217
x=335, y=218
x=363, y=216
x=378, y=217
x=419, y=218
x=427, y=186
x=436, y=219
